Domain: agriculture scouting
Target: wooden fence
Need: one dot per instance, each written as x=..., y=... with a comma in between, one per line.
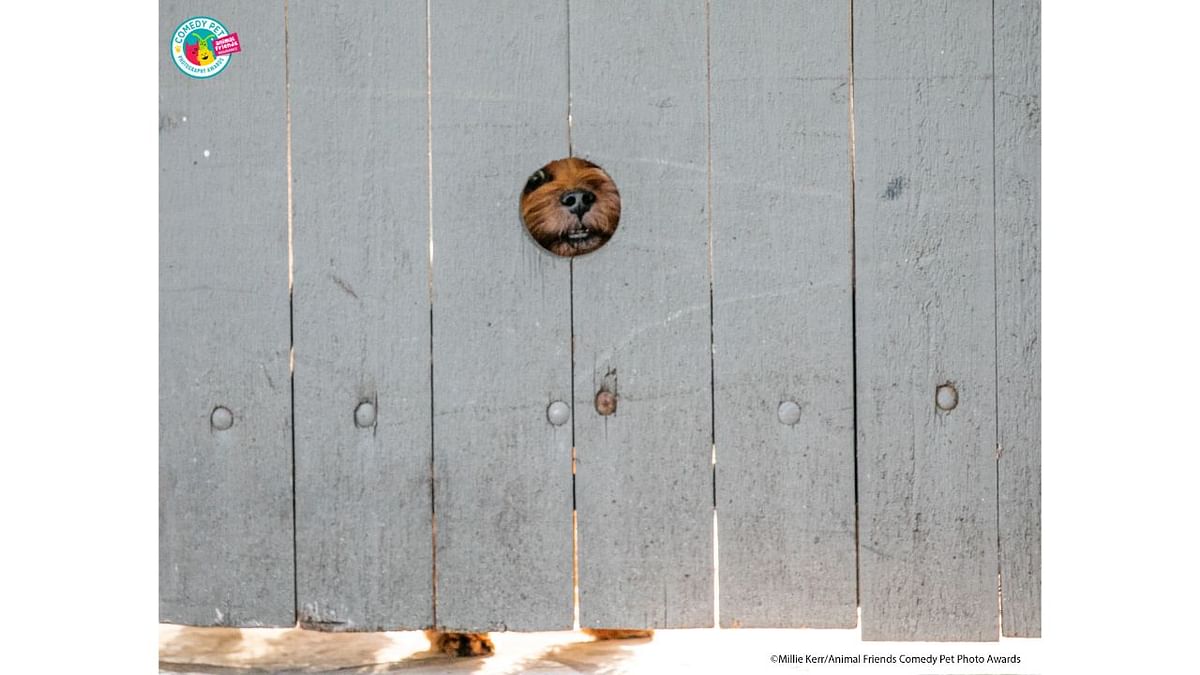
x=828, y=206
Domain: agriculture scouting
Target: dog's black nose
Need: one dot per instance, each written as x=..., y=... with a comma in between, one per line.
x=578, y=201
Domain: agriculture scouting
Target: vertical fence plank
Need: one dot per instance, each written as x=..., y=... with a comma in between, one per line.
x=1018, y=312
x=225, y=495
x=357, y=74
x=501, y=321
x=782, y=313
x=642, y=320
x=926, y=318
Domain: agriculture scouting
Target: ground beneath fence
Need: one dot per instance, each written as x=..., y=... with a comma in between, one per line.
x=229, y=651
x=266, y=650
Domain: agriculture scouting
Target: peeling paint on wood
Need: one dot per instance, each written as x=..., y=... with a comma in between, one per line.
x=782, y=314
x=361, y=318
x=925, y=316
x=225, y=494
x=501, y=315
x=641, y=308
x=1018, y=312
x=873, y=286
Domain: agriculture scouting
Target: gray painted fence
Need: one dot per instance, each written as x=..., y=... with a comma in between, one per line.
x=820, y=318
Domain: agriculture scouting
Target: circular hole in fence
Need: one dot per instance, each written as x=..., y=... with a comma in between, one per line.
x=570, y=207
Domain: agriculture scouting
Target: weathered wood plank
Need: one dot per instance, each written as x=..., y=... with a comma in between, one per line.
x=501, y=321
x=359, y=118
x=1018, y=312
x=642, y=320
x=225, y=495
x=782, y=313
x=925, y=318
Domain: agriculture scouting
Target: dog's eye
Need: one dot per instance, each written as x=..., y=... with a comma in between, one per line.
x=540, y=176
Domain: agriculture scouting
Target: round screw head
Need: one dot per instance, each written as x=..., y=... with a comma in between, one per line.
x=364, y=414
x=789, y=412
x=558, y=413
x=222, y=418
x=606, y=402
x=946, y=397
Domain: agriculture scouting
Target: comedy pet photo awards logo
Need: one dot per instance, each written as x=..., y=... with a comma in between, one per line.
x=201, y=47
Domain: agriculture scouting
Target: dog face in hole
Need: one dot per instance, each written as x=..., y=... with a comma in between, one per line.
x=570, y=206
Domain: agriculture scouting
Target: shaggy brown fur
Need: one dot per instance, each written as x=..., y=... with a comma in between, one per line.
x=460, y=644
x=479, y=644
x=570, y=206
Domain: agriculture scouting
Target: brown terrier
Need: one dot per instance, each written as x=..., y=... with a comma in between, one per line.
x=570, y=206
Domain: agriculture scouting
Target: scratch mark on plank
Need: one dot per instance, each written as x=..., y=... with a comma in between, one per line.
x=344, y=286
